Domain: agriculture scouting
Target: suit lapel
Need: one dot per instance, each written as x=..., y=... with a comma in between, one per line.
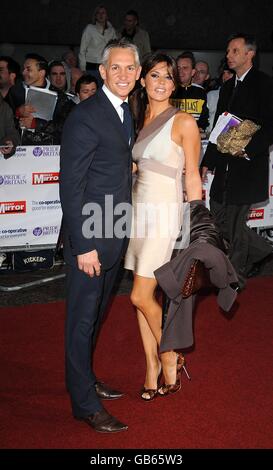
x=230, y=84
x=132, y=141
x=240, y=103
x=111, y=114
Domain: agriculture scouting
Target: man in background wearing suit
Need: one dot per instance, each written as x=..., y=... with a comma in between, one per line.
x=96, y=163
x=242, y=180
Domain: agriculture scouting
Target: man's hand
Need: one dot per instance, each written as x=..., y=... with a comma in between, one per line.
x=241, y=153
x=25, y=110
x=25, y=115
x=26, y=122
x=89, y=263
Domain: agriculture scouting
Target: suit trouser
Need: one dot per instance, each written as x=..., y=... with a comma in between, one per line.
x=87, y=300
x=246, y=246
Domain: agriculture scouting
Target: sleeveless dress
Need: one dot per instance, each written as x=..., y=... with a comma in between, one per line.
x=157, y=196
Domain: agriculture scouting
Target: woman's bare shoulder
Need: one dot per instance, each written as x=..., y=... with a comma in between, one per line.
x=181, y=116
x=185, y=119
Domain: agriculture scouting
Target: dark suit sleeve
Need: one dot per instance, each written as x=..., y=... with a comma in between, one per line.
x=9, y=131
x=203, y=120
x=79, y=142
x=263, y=138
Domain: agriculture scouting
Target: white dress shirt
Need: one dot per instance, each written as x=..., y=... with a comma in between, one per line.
x=241, y=79
x=116, y=101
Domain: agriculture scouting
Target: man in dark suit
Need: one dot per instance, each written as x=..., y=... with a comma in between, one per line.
x=242, y=180
x=95, y=177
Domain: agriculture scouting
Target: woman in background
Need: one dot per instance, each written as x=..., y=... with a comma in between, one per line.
x=94, y=38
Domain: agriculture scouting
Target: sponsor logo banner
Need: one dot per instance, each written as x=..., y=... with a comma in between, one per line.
x=45, y=178
x=50, y=151
x=46, y=230
x=20, y=152
x=13, y=233
x=13, y=179
x=13, y=207
x=45, y=205
x=255, y=214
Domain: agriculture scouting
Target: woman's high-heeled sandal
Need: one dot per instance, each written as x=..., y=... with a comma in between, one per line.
x=149, y=394
x=181, y=365
x=170, y=389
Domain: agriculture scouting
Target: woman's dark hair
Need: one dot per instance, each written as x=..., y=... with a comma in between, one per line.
x=139, y=99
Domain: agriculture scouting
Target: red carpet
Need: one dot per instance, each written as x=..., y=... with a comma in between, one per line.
x=228, y=403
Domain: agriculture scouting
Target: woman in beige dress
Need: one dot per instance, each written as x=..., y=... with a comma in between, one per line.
x=168, y=141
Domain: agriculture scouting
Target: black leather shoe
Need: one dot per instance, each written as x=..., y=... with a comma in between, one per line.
x=102, y=421
x=106, y=393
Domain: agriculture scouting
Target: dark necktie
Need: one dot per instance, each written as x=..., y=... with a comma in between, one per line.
x=127, y=120
x=235, y=92
x=237, y=87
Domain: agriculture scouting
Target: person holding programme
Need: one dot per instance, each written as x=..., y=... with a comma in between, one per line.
x=243, y=179
x=168, y=141
x=96, y=161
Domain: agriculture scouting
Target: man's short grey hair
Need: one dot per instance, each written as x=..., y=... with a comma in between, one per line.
x=119, y=44
x=249, y=39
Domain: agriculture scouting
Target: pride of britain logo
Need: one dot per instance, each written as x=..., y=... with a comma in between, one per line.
x=37, y=151
x=46, y=230
x=13, y=179
x=50, y=151
x=37, y=231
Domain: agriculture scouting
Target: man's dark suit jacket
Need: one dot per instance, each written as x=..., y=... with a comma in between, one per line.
x=96, y=161
x=246, y=180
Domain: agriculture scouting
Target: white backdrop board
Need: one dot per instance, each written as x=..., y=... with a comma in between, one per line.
x=30, y=209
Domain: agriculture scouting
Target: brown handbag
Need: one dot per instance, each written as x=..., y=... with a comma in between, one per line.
x=197, y=278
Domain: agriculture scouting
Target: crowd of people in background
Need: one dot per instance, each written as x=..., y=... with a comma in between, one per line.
x=75, y=77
